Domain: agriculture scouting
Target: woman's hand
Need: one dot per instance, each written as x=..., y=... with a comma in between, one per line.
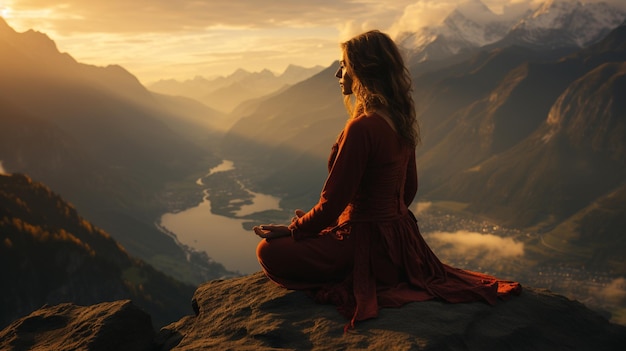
x=299, y=213
x=271, y=231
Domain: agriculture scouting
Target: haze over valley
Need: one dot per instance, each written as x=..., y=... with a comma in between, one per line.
x=522, y=167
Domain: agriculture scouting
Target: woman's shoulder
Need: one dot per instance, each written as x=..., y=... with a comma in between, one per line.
x=372, y=121
x=360, y=125
x=363, y=120
x=366, y=129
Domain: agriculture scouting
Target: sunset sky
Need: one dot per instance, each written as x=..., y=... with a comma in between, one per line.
x=181, y=39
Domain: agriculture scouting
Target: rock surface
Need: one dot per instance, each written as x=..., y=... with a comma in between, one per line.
x=117, y=325
x=252, y=313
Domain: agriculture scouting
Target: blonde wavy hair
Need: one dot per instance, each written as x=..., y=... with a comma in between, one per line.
x=381, y=81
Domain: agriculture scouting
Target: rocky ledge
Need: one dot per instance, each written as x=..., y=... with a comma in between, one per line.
x=252, y=313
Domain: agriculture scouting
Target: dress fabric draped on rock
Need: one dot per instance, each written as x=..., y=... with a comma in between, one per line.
x=360, y=247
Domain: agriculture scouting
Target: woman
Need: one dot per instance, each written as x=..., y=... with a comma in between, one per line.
x=360, y=247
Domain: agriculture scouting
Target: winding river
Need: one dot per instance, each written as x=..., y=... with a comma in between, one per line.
x=222, y=238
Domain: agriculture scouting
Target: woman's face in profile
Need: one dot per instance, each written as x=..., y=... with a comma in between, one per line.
x=345, y=81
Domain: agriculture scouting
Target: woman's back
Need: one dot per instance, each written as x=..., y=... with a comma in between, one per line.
x=381, y=192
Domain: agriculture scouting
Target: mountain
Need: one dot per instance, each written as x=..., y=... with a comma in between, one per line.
x=195, y=121
x=552, y=25
x=104, y=142
x=573, y=163
x=225, y=93
x=585, y=233
x=281, y=143
x=470, y=25
x=252, y=313
x=573, y=155
x=294, y=74
x=52, y=255
x=482, y=106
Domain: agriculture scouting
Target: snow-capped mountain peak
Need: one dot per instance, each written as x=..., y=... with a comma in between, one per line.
x=568, y=23
x=553, y=24
x=474, y=23
x=470, y=24
x=551, y=12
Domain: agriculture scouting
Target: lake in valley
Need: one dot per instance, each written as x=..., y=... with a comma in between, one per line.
x=222, y=238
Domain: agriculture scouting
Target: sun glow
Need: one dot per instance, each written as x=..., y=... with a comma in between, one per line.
x=5, y=12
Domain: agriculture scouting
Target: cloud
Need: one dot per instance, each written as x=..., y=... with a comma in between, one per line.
x=473, y=245
x=612, y=293
x=184, y=15
x=423, y=14
x=422, y=206
x=158, y=16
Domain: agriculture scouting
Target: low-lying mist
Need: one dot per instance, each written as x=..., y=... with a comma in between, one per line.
x=473, y=245
x=614, y=293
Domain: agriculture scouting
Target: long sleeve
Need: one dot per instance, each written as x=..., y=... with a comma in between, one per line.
x=342, y=183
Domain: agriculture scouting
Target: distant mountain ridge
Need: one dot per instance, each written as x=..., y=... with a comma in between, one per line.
x=226, y=92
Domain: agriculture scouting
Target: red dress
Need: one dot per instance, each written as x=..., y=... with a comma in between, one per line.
x=360, y=247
